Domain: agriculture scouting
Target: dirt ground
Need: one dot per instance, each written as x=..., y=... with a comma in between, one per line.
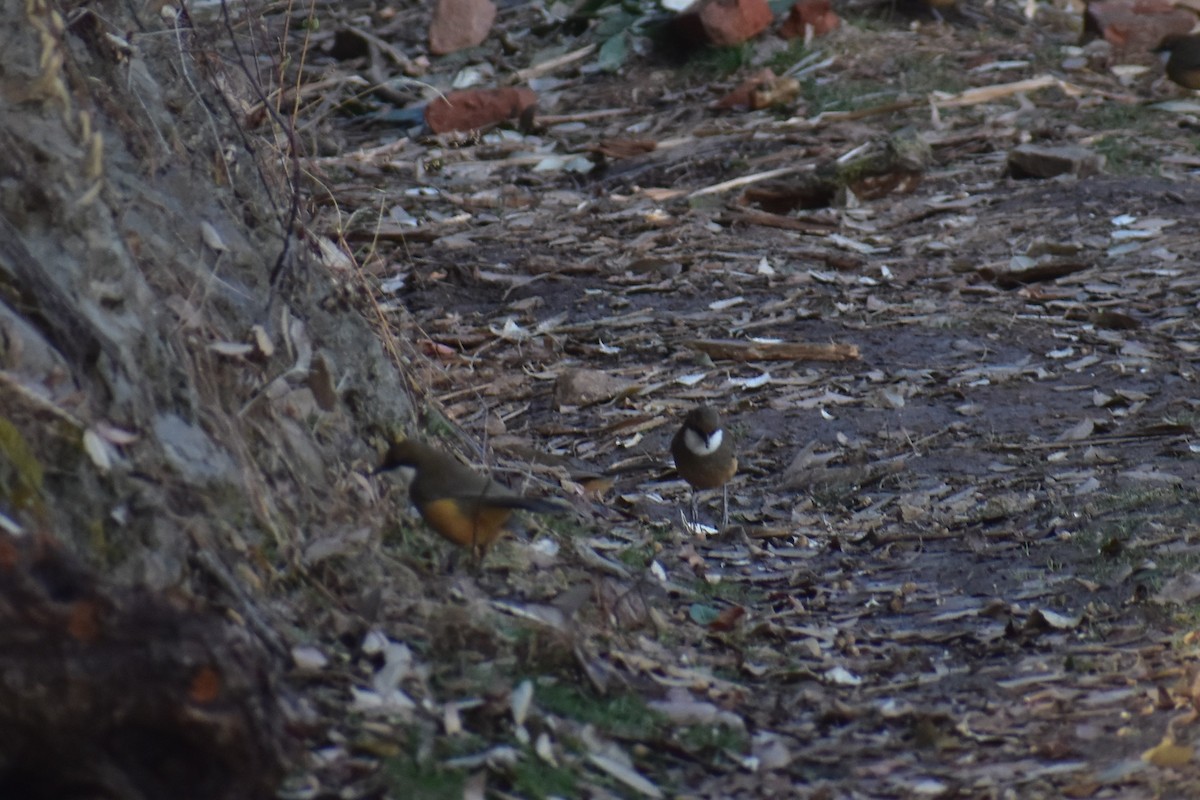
x=958, y=562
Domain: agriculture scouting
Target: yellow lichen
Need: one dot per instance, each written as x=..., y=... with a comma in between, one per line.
x=20, y=472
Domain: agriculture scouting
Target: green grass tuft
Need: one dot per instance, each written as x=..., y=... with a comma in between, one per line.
x=409, y=776
x=722, y=61
x=624, y=715
x=534, y=778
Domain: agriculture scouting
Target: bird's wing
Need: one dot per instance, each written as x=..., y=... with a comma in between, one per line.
x=499, y=497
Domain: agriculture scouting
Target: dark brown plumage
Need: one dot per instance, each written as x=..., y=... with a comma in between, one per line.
x=1183, y=64
x=462, y=506
x=704, y=457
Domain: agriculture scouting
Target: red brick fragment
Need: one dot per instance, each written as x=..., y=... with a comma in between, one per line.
x=817, y=13
x=726, y=22
x=477, y=108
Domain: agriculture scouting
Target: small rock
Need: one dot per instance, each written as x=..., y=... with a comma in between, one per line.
x=308, y=658
x=1182, y=589
x=1135, y=27
x=581, y=387
x=458, y=24
x=771, y=751
x=1034, y=161
x=192, y=452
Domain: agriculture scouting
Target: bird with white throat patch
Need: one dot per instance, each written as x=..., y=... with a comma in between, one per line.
x=704, y=457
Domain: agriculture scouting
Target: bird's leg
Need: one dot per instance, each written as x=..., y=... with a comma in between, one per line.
x=477, y=554
x=478, y=550
x=695, y=512
x=725, y=506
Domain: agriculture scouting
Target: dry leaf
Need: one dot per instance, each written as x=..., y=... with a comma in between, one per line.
x=1168, y=754
x=522, y=698
x=211, y=238
x=97, y=450
x=626, y=775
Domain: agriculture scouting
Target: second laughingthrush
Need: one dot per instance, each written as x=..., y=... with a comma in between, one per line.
x=704, y=457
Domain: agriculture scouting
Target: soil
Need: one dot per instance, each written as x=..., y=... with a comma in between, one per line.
x=960, y=561
x=948, y=556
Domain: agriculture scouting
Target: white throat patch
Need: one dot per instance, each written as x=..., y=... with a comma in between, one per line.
x=698, y=445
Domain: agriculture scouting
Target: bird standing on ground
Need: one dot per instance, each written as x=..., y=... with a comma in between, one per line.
x=1183, y=64
x=704, y=456
x=462, y=506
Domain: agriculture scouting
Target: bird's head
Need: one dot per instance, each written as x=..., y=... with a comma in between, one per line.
x=403, y=452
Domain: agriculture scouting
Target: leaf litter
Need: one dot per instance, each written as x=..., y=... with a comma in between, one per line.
x=963, y=415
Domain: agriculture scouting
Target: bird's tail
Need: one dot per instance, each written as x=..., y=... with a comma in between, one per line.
x=537, y=505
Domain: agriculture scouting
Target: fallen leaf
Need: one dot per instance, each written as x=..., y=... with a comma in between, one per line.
x=1168, y=754
x=626, y=775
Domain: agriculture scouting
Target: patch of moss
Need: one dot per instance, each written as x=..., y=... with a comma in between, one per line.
x=533, y=777
x=1113, y=526
x=564, y=526
x=638, y=557
x=543, y=649
x=871, y=23
x=624, y=715
x=1111, y=116
x=785, y=59
x=709, y=740
x=1187, y=621
x=921, y=74
x=21, y=474
x=731, y=591
x=437, y=425
x=723, y=61
x=1141, y=499
x=1126, y=155
x=706, y=201
x=424, y=777
x=418, y=543
x=1084, y=665
x=660, y=533
x=407, y=778
x=845, y=95
x=97, y=537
